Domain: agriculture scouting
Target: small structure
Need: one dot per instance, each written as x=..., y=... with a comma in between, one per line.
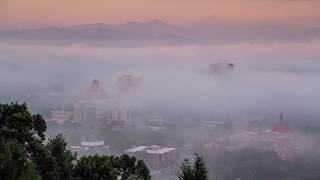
x=221, y=67
x=117, y=125
x=154, y=120
x=92, y=143
x=91, y=147
x=279, y=139
x=157, y=128
x=128, y=84
x=212, y=124
x=61, y=116
x=156, y=157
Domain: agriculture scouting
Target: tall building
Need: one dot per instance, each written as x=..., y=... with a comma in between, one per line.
x=94, y=108
x=95, y=91
x=128, y=84
x=219, y=68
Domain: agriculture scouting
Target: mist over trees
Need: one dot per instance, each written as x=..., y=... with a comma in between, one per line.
x=268, y=77
x=25, y=154
x=160, y=90
x=253, y=164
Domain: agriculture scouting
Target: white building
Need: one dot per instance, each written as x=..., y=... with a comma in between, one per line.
x=155, y=157
x=95, y=108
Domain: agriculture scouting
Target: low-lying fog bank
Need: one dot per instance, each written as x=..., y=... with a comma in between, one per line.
x=266, y=79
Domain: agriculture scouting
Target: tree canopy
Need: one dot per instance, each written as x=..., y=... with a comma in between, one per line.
x=24, y=155
x=195, y=171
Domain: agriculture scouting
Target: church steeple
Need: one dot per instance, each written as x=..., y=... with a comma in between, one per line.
x=281, y=126
x=281, y=118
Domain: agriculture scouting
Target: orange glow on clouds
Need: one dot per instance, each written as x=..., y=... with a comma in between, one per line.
x=67, y=12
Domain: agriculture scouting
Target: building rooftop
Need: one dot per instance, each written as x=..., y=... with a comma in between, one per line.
x=95, y=91
x=136, y=149
x=92, y=143
x=160, y=150
x=150, y=149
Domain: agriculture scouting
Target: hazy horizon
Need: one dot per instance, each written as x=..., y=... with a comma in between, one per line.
x=37, y=13
x=235, y=81
x=268, y=78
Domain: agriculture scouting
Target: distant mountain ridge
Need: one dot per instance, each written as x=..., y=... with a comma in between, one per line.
x=157, y=32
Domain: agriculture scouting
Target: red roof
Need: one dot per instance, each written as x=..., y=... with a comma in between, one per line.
x=282, y=128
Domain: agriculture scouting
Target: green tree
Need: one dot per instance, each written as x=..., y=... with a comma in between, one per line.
x=19, y=130
x=14, y=163
x=24, y=156
x=126, y=165
x=95, y=168
x=64, y=159
x=200, y=169
x=16, y=122
x=195, y=171
x=187, y=172
x=28, y=131
x=45, y=162
x=111, y=168
x=30, y=172
x=142, y=170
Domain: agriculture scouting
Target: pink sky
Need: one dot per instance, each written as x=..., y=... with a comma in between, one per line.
x=29, y=13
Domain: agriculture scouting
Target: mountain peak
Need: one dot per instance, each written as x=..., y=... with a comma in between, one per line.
x=157, y=21
x=154, y=22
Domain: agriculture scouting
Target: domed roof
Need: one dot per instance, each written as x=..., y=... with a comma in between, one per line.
x=95, y=91
x=95, y=82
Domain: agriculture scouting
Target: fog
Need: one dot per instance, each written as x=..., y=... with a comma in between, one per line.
x=267, y=79
x=183, y=102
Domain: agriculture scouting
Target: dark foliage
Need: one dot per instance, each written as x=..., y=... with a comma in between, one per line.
x=110, y=167
x=197, y=171
x=25, y=156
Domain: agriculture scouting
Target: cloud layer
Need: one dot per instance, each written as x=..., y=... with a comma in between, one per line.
x=268, y=78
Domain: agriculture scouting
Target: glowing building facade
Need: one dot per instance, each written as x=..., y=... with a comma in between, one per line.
x=95, y=108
